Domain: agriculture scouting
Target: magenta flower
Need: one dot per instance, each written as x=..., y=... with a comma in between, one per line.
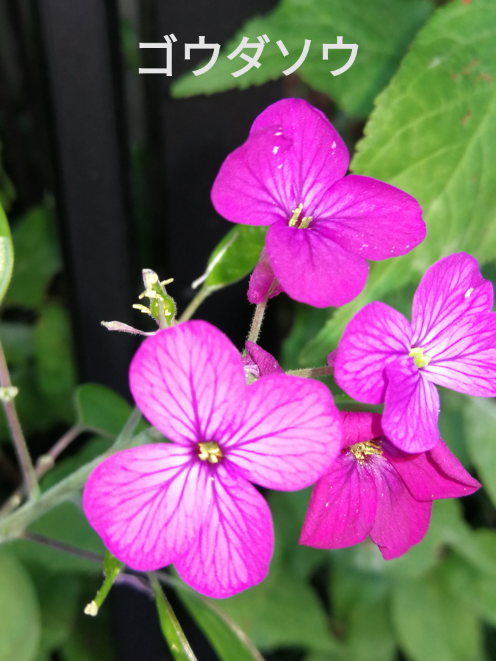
x=190, y=502
x=451, y=342
x=259, y=362
x=375, y=489
x=289, y=174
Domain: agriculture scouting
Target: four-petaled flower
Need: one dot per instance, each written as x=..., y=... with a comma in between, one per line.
x=190, y=502
x=375, y=489
x=451, y=342
x=289, y=174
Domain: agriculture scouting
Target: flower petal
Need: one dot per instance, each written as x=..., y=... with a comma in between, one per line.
x=312, y=268
x=360, y=427
x=450, y=289
x=411, y=408
x=261, y=361
x=318, y=156
x=400, y=521
x=342, y=507
x=263, y=284
x=431, y=475
x=186, y=379
x=146, y=503
x=371, y=218
x=286, y=433
x=464, y=356
x=375, y=336
x=235, y=544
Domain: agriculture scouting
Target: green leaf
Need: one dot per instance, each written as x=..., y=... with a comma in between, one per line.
x=431, y=625
x=480, y=434
x=17, y=341
x=103, y=409
x=6, y=254
x=7, y=191
x=92, y=449
x=173, y=634
x=227, y=640
x=383, y=30
x=37, y=257
x=244, y=245
x=56, y=376
x=19, y=611
x=281, y=611
x=431, y=134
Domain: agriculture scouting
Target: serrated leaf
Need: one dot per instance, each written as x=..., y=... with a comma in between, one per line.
x=19, y=611
x=382, y=30
x=480, y=437
x=431, y=625
x=37, y=257
x=6, y=254
x=431, y=134
x=245, y=243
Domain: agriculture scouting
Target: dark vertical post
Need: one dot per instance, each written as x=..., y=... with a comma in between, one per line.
x=81, y=52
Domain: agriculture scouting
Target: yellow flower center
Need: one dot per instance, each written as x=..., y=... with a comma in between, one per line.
x=418, y=357
x=361, y=450
x=210, y=452
x=303, y=223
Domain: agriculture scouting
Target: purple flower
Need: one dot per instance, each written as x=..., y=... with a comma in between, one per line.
x=375, y=489
x=259, y=362
x=190, y=502
x=450, y=342
x=289, y=174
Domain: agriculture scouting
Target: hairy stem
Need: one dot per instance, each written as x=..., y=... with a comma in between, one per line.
x=256, y=324
x=18, y=439
x=310, y=372
x=195, y=303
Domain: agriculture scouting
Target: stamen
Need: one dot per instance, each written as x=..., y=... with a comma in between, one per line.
x=361, y=450
x=418, y=357
x=210, y=452
x=293, y=221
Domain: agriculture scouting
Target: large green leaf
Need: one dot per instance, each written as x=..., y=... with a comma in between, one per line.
x=37, y=257
x=382, y=29
x=431, y=625
x=432, y=135
x=6, y=254
x=19, y=611
x=480, y=431
x=102, y=409
x=244, y=245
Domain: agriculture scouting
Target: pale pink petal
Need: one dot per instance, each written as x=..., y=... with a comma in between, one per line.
x=286, y=432
x=360, y=427
x=312, y=268
x=433, y=474
x=411, y=408
x=376, y=336
x=146, y=503
x=263, y=284
x=186, y=380
x=260, y=362
x=342, y=507
x=318, y=156
x=371, y=218
x=400, y=521
x=234, y=547
x=450, y=289
x=463, y=357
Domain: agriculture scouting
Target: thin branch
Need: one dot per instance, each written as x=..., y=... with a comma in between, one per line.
x=62, y=546
x=23, y=456
x=256, y=324
x=311, y=372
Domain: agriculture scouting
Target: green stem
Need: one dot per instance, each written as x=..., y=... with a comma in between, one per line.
x=171, y=628
x=256, y=324
x=195, y=303
x=21, y=448
x=311, y=372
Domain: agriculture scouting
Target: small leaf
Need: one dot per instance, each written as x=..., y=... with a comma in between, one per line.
x=6, y=254
x=173, y=633
x=19, y=611
x=240, y=258
x=102, y=409
x=227, y=639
